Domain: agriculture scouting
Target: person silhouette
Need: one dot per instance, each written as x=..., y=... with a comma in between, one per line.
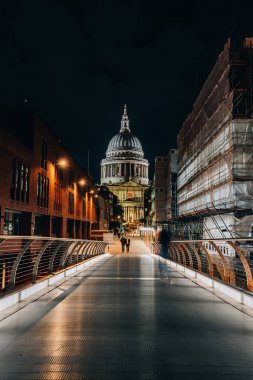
x=123, y=241
x=128, y=241
x=164, y=240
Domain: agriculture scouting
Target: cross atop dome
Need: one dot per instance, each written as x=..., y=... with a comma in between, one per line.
x=125, y=121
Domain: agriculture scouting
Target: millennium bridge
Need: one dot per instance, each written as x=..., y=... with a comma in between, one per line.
x=78, y=309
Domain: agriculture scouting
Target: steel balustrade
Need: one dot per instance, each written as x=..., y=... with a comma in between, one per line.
x=27, y=259
x=228, y=260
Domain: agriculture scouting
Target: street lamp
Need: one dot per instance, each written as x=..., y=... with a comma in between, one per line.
x=63, y=163
x=82, y=182
x=92, y=195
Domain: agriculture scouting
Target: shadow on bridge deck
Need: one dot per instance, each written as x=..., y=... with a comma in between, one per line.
x=130, y=319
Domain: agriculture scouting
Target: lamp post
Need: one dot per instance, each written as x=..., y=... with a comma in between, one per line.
x=89, y=211
x=92, y=195
x=63, y=163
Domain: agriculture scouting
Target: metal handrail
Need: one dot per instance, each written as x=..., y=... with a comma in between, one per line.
x=228, y=260
x=27, y=259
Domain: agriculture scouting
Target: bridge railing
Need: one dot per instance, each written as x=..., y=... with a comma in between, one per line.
x=28, y=259
x=230, y=260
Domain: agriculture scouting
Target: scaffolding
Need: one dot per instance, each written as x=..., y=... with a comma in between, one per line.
x=215, y=147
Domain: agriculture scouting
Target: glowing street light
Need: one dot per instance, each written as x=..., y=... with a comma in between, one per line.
x=82, y=182
x=63, y=163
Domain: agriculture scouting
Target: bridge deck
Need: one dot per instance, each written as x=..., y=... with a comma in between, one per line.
x=126, y=321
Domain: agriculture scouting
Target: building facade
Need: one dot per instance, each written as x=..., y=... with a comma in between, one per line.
x=215, y=145
x=42, y=189
x=106, y=207
x=171, y=184
x=159, y=190
x=164, y=186
x=125, y=172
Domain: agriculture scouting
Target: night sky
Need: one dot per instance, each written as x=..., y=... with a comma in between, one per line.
x=79, y=61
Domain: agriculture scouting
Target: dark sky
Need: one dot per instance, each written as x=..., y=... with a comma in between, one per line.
x=79, y=61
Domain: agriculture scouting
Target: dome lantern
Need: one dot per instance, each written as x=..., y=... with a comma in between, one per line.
x=124, y=142
x=125, y=121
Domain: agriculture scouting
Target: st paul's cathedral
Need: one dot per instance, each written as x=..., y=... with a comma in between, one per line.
x=125, y=172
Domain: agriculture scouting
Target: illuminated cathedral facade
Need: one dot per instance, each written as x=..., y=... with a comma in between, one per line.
x=125, y=172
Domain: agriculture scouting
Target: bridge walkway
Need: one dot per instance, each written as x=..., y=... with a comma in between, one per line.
x=127, y=318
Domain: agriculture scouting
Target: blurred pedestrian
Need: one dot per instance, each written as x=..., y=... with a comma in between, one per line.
x=123, y=242
x=128, y=242
x=164, y=240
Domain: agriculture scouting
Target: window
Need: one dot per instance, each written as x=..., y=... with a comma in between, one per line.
x=57, y=168
x=84, y=208
x=44, y=154
x=12, y=223
x=19, y=182
x=42, y=191
x=57, y=197
x=71, y=203
x=71, y=178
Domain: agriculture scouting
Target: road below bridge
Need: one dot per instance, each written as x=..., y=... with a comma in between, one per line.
x=129, y=317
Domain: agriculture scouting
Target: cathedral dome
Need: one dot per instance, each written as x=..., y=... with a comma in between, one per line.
x=124, y=143
x=124, y=158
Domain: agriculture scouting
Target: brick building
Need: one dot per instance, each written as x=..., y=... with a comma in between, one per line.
x=106, y=209
x=43, y=191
